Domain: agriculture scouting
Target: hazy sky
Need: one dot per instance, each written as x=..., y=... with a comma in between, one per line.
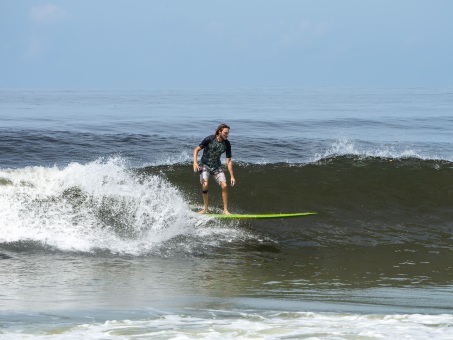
x=230, y=43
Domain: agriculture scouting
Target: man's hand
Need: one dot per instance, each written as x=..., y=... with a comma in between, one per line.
x=233, y=181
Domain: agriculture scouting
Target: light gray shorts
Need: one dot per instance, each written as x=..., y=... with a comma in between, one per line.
x=218, y=174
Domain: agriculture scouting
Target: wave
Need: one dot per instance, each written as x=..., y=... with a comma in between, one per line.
x=106, y=205
x=97, y=206
x=360, y=200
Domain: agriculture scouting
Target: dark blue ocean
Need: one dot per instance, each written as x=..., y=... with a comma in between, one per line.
x=99, y=237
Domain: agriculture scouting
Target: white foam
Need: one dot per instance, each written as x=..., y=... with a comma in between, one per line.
x=247, y=325
x=99, y=205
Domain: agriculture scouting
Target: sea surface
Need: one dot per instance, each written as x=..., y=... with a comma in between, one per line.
x=100, y=239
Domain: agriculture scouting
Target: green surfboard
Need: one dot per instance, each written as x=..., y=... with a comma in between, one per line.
x=260, y=216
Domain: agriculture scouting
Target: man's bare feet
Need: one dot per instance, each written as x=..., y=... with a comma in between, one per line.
x=204, y=211
x=226, y=212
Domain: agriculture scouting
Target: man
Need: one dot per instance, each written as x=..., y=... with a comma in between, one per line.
x=213, y=147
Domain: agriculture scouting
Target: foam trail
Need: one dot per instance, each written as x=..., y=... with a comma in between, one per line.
x=99, y=205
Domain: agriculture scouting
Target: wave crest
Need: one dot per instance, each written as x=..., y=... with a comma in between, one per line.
x=99, y=205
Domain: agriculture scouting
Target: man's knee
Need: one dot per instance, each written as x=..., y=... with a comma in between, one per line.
x=224, y=186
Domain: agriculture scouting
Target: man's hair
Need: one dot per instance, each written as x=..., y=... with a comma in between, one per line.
x=220, y=128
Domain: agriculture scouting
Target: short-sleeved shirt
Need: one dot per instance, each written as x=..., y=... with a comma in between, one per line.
x=212, y=150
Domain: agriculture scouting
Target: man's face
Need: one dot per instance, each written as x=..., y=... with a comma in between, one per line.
x=224, y=133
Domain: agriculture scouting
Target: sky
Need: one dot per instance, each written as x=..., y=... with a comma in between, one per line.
x=222, y=44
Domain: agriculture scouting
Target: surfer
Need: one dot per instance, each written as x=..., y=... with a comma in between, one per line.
x=213, y=147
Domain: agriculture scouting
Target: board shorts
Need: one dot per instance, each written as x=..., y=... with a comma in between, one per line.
x=205, y=172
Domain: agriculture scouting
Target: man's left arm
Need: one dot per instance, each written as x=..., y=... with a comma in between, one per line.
x=229, y=164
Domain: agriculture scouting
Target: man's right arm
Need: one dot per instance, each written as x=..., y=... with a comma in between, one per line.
x=195, y=158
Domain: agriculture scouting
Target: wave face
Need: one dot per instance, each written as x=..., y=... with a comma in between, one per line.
x=360, y=200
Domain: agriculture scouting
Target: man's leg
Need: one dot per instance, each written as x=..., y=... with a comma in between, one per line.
x=205, y=194
x=224, y=187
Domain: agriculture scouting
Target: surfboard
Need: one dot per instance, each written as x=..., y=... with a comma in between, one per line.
x=260, y=216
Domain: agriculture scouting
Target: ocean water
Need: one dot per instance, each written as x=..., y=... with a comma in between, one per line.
x=99, y=237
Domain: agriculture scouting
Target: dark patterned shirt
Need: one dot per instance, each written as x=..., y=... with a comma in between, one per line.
x=212, y=150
